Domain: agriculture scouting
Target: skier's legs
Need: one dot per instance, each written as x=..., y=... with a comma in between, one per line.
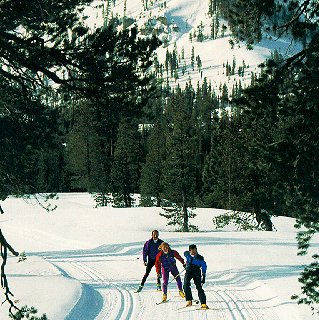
x=149, y=267
x=165, y=275
x=199, y=287
x=175, y=272
x=187, y=286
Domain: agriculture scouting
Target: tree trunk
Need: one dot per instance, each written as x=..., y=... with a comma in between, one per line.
x=185, y=215
x=264, y=218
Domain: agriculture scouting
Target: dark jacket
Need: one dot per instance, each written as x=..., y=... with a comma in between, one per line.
x=150, y=249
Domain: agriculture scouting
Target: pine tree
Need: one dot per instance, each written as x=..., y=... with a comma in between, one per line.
x=216, y=26
x=106, y=12
x=224, y=97
x=84, y=154
x=200, y=32
x=246, y=19
x=125, y=170
x=119, y=89
x=124, y=10
x=212, y=30
x=199, y=63
x=179, y=174
x=190, y=37
x=193, y=58
x=152, y=171
x=29, y=132
x=167, y=61
x=205, y=106
x=210, y=8
x=233, y=66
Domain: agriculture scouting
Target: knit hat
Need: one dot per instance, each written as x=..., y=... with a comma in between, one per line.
x=192, y=246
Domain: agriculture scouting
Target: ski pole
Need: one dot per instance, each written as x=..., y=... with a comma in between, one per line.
x=176, y=276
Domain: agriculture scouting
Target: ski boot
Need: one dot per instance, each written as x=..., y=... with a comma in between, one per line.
x=181, y=293
x=139, y=289
x=164, y=298
x=189, y=303
x=204, y=306
x=158, y=287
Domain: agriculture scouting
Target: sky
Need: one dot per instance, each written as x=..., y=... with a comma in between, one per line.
x=85, y=263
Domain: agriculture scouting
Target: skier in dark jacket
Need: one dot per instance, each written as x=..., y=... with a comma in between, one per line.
x=165, y=264
x=150, y=250
x=195, y=269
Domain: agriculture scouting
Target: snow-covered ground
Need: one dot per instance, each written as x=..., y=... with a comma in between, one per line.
x=177, y=20
x=84, y=263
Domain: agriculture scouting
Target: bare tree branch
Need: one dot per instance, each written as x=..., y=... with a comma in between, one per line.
x=5, y=246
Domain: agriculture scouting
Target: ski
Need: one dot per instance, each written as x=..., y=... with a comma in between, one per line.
x=185, y=307
x=140, y=288
x=190, y=309
x=136, y=291
x=161, y=302
x=194, y=305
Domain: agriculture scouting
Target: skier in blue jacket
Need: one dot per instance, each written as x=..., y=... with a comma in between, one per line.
x=195, y=269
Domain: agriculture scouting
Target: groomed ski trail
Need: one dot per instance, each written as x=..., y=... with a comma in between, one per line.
x=105, y=297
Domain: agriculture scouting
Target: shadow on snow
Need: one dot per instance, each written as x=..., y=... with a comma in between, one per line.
x=89, y=305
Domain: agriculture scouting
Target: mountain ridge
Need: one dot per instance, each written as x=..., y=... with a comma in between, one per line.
x=178, y=24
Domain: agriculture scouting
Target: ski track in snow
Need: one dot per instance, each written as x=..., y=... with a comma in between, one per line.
x=118, y=302
x=106, y=298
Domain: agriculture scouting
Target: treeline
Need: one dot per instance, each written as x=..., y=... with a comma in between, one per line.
x=182, y=148
x=185, y=148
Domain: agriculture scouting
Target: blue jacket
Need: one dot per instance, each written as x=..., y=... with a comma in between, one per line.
x=195, y=262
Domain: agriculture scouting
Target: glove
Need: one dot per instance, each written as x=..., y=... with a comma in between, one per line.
x=145, y=263
x=159, y=276
x=203, y=278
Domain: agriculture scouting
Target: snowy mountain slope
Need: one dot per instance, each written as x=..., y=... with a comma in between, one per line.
x=84, y=263
x=175, y=20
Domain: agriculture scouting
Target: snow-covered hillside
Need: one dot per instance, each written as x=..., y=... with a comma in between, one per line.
x=84, y=263
x=176, y=22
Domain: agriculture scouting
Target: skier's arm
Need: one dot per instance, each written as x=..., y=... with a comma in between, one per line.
x=204, y=266
x=204, y=269
x=145, y=251
x=177, y=256
x=158, y=263
x=187, y=256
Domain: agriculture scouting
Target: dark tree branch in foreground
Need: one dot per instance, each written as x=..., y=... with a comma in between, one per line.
x=5, y=246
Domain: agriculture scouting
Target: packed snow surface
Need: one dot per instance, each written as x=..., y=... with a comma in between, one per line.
x=85, y=263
